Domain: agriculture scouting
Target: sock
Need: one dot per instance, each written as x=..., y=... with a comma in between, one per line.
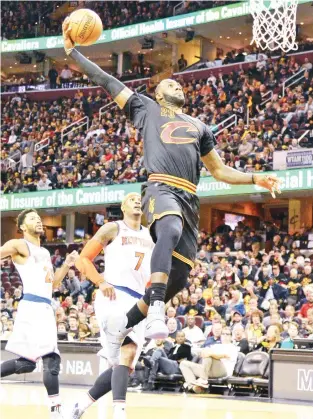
x=85, y=401
x=134, y=316
x=119, y=383
x=102, y=385
x=158, y=291
x=55, y=402
x=119, y=407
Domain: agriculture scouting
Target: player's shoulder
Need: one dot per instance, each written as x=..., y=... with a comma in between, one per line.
x=199, y=124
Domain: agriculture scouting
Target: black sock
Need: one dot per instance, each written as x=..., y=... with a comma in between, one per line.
x=8, y=368
x=134, y=316
x=119, y=382
x=158, y=291
x=102, y=385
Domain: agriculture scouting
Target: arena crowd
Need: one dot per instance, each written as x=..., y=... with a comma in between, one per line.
x=110, y=151
x=42, y=21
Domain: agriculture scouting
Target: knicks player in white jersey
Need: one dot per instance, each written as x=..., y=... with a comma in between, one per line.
x=34, y=334
x=128, y=247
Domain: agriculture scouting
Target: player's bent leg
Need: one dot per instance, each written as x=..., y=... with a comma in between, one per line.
x=120, y=379
x=51, y=370
x=17, y=366
x=167, y=232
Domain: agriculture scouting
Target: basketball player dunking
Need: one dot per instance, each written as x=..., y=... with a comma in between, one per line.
x=35, y=334
x=128, y=247
x=174, y=145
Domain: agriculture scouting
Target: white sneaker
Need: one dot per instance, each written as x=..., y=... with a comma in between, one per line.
x=76, y=412
x=56, y=413
x=155, y=323
x=115, y=331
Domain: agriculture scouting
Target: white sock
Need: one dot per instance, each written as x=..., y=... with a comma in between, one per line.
x=119, y=406
x=54, y=401
x=85, y=401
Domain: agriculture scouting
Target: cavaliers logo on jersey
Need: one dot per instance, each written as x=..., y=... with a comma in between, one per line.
x=175, y=132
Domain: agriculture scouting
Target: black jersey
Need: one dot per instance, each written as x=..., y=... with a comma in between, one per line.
x=173, y=143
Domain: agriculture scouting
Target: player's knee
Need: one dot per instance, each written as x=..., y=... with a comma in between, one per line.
x=52, y=363
x=128, y=353
x=24, y=366
x=171, y=227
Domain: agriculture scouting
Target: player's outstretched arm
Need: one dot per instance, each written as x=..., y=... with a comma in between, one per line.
x=63, y=270
x=226, y=174
x=119, y=92
x=10, y=249
x=84, y=263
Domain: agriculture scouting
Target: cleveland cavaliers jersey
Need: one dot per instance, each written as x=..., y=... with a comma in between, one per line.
x=37, y=273
x=127, y=258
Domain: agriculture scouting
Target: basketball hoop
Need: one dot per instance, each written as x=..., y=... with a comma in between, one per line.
x=274, y=25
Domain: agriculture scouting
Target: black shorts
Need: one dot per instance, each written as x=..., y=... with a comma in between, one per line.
x=159, y=200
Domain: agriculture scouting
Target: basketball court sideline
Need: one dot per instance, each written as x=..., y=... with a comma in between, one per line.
x=29, y=400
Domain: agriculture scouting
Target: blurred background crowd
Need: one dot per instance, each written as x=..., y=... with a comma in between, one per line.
x=110, y=151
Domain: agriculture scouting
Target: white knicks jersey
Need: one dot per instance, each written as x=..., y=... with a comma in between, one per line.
x=37, y=273
x=127, y=258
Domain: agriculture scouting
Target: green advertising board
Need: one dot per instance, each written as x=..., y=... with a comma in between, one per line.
x=140, y=29
x=292, y=180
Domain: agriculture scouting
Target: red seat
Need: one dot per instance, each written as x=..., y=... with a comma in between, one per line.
x=199, y=321
x=182, y=320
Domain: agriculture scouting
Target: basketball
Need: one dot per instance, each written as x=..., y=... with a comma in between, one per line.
x=86, y=27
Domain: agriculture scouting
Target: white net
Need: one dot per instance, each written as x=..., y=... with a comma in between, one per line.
x=274, y=25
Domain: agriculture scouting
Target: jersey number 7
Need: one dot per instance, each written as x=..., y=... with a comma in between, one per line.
x=140, y=256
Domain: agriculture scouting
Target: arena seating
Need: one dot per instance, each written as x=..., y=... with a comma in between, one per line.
x=42, y=19
x=110, y=145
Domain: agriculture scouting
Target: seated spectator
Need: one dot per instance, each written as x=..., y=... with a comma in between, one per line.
x=217, y=361
x=73, y=284
x=255, y=329
x=194, y=308
x=239, y=339
x=215, y=336
x=73, y=328
x=309, y=304
x=271, y=340
x=168, y=363
x=171, y=313
x=293, y=333
x=192, y=332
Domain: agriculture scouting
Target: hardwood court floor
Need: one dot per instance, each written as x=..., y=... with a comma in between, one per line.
x=29, y=401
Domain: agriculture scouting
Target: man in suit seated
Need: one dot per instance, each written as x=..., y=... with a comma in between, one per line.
x=167, y=363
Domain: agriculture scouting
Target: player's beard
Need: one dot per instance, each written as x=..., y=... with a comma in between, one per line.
x=174, y=100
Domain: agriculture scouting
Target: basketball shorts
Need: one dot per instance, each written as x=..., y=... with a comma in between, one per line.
x=34, y=333
x=159, y=200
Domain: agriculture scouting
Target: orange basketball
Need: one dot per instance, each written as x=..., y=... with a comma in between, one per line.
x=86, y=27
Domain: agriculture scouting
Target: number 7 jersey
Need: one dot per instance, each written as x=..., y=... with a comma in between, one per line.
x=127, y=258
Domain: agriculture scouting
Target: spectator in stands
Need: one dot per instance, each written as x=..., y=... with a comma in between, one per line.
x=168, y=363
x=239, y=339
x=66, y=75
x=182, y=63
x=217, y=361
x=255, y=330
x=309, y=304
x=215, y=336
x=194, y=308
x=271, y=340
x=192, y=332
x=73, y=328
x=293, y=333
x=44, y=184
x=53, y=76
x=73, y=284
